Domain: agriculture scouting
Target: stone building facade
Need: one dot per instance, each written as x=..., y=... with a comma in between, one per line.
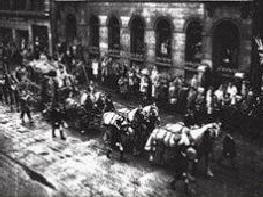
x=26, y=23
x=174, y=35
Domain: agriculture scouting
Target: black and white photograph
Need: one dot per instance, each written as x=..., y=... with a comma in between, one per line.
x=131, y=98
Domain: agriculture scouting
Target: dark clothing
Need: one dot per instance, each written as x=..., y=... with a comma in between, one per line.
x=229, y=147
x=100, y=105
x=57, y=118
x=109, y=107
x=24, y=105
x=181, y=166
x=139, y=117
x=88, y=105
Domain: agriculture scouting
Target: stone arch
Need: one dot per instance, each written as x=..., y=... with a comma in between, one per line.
x=225, y=44
x=71, y=27
x=163, y=29
x=137, y=33
x=94, y=24
x=193, y=40
x=114, y=28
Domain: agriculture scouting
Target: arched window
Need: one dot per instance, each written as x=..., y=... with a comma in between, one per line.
x=94, y=31
x=193, y=42
x=114, y=33
x=137, y=36
x=163, y=39
x=71, y=28
x=226, y=45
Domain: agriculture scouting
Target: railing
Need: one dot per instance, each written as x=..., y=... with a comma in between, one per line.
x=94, y=50
x=137, y=56
x=163, y=60
x=114, y=52
x=24, y=13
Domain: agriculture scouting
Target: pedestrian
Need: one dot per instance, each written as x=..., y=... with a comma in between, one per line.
x=181, y=167
x=155, y=83
x=209, y=104
x=229, y=150
x=24, y=106
x=95, y=69
x=139, y=130
x=57, y=121
x=6, y=88
x=109, y=107
x=1, y=90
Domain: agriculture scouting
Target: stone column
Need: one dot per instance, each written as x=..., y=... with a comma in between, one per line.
x=150, y=45
x=125, y=39
x=14, y=35
x=28, y=4
x=207, y=45
x=30, y=37
x=103, y=31
x=178, y=45
x=50, y=43
x=207, y=48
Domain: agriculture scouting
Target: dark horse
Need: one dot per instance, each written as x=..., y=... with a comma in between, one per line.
x=118, y=136
x=203, y=140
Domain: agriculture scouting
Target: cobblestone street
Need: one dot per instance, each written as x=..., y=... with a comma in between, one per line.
x=76, y=166
x=79, y=165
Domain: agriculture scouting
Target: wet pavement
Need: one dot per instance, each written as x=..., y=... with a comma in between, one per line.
x=79, y=167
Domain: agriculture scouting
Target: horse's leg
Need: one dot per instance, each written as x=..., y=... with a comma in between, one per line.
x=209, y=172
x=195, y=165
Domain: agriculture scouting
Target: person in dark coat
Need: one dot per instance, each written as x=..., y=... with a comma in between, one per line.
x=88, y=105
x=181, y=168
x=100, y=104
x=109, y=107
x=57, y=119
x=6, y=89
x=229, y=150
x=24, y=106
x=139, y=122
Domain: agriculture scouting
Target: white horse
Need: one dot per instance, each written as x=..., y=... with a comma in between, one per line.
x=168, y=137
x=147, y=111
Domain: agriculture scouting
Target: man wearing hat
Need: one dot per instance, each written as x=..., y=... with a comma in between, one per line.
x=139, y=130
x=57, y=120
x=24, y=105
x=109, y=107
x=181, y=168
x=229, y=150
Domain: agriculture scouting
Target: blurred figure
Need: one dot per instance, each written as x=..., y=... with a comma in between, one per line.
x=229, y=150
x=57, y=121
x=24, y=106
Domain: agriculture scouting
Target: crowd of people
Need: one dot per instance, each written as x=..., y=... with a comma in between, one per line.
x=194, y=98
x=71, y=86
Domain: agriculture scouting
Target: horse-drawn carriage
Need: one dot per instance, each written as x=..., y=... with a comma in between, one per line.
x=123, y=129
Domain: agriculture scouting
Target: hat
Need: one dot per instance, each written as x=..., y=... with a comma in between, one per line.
x=191, y=153
x=201, y=90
